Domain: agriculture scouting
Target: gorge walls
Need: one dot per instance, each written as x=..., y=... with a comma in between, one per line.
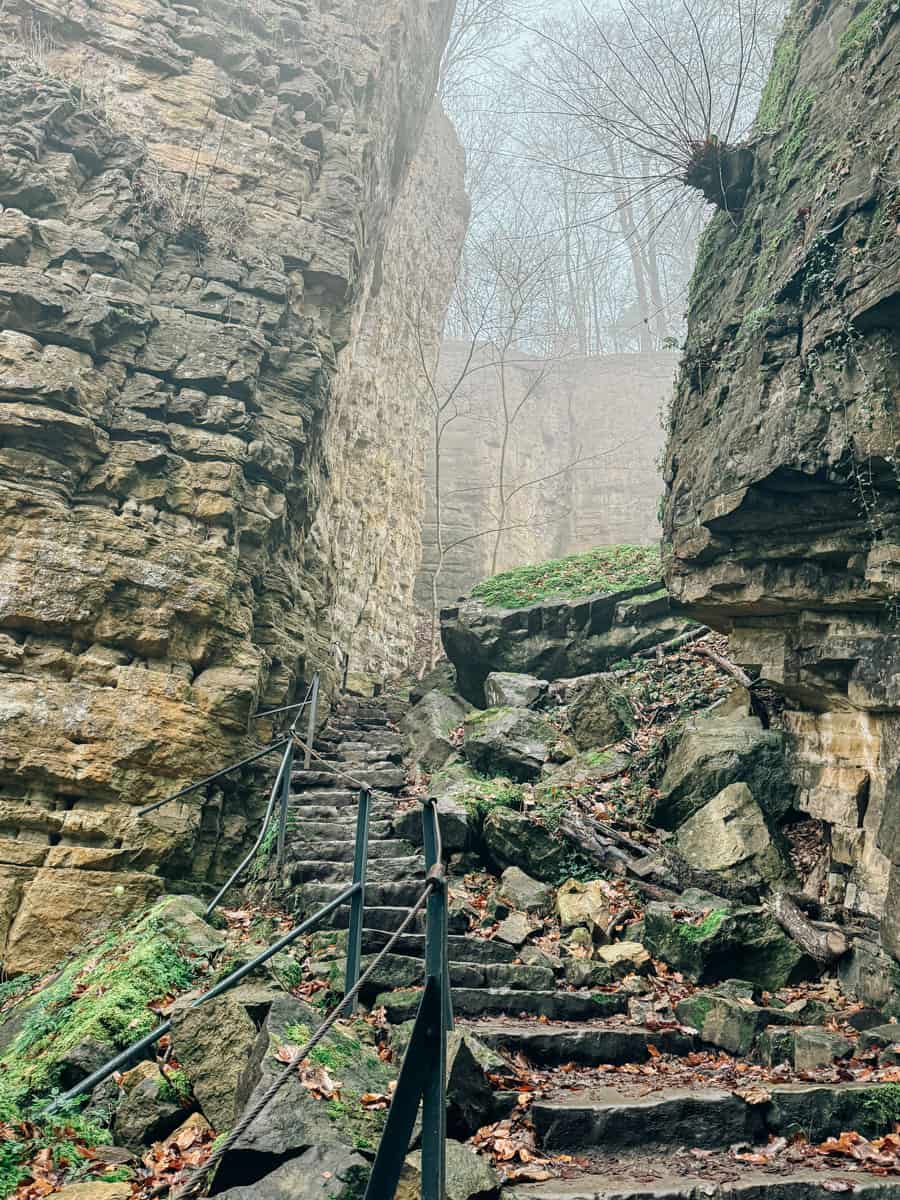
x=207, y=215
x=782, y=516
x=604, y=410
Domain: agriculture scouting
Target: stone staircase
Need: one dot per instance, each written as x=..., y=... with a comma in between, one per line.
x=631, y=1140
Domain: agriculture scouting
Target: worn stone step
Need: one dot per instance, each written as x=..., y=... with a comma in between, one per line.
x=476, y=1002
x=380, y=870
x=336, y=797
x=303, y=829
x=378, y=895
x=343, y=851
x=460, y=948
x=365, y=755
x=398, y=971
x=588, y=1045
x=388, y=778
x=379, y=810
x=652, y=1181
x=604, y=1117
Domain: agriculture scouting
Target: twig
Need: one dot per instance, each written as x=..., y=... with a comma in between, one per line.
x=683, y=639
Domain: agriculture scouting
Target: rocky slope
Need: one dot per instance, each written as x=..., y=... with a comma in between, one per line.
x=206, y=220
x=781, y=517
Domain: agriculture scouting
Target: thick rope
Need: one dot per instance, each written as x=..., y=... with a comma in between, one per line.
x=198, y=1176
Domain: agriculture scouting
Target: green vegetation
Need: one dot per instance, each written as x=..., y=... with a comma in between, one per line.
x=707, y=927
x=863, y=31
x=785, y=61
x=176, y=1087
x=606, y=569
x=882, y=1106
x=102, y=996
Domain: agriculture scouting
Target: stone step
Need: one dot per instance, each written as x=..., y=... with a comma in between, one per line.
x=460, y=948
x=604, y=1117
x=386, y=777
x=366, y=756
x=345, y=813
x=339, y=797
x=380, y=870
x=378, y=895
x=654, y=1180
x=303, y=829
x=709, y=1118
x=343, y=851
x=398, y=971
x=476, y=1002
x=587, y=1045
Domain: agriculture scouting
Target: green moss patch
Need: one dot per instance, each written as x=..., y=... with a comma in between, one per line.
x=102, y=996
x=606, y=569
x=864, y=31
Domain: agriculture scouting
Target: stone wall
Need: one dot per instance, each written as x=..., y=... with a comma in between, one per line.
x=609, y=407
x=782, y=518
x=203, y=215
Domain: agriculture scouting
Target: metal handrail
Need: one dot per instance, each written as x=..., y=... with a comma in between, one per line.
x=423, y=1072
x=144, y=1043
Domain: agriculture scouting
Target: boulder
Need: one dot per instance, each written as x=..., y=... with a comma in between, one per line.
x=581, y=775
x=584, y=904
x=469, y=1176
x=524, y=893
x=148, y=1107
x=441, y=679
x=601, y=714
x=516, y=929
x=624, y=958
x=198, y=1035
x=470, y=1095
x=817, y=1047
x=502, y=689
x=508, y=741
x=729, y=835
x=554, y=639
x=297, y=1119
x=881, y=1037
x=730, y=1024
x=181, y=918
x=453, y=813
x=583, y=973
x=326, y=1172
x=718, y=937
x=428, y=725
x=724, y=745
x=514, y=839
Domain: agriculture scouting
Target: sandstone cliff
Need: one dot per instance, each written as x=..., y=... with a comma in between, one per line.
x=782, y=521
x=206, y=214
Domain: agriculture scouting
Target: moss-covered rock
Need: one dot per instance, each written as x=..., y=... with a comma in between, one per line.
x=716, y=939
x=508, y=741
x=514, y=839
x=601, y=714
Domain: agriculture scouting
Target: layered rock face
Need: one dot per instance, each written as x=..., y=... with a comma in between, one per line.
x=206, y=216
x=604, y=411
x=782, y=520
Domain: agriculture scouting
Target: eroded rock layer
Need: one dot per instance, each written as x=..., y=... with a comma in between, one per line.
x=782, y=518
x=206, y=214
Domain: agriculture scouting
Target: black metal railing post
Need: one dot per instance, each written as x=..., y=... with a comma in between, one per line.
x=358, y=903
x=311, y=723
x=436, y=945
x=434, y=1102
x=284, y=801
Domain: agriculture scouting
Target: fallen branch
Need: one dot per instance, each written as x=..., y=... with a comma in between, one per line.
x=823, y=943
x=725, y=664
x=683, y=639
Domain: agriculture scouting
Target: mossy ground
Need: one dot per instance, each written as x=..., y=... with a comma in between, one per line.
x=102, y=996
x=606, y=569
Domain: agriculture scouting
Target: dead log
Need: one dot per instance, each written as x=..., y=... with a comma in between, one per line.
x=683, y=639
x=823, y=943
x=724, y=664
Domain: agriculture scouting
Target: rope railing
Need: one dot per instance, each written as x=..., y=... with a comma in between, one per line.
x=422, y=1078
